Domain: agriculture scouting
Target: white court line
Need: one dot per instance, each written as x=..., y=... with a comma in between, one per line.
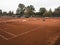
x=14, y=36
x=34, y=29
x=4, y=37
x=8, y=32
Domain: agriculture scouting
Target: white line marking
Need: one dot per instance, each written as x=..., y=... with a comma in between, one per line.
x=34, y=29
x=8, y=32
x=4, y=37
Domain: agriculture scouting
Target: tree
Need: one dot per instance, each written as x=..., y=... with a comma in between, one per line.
x=48, y=13
x=37, y=14
x=29, y=11
x=20, y=9
x=32, y=8
x=0, y=12
x=57, y=12
x=21, y=6
x=45, y=14
x=4, y=13
x=10, y=13
x=42, y=11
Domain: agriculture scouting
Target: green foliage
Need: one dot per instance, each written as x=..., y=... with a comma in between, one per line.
x=42, y=11
x=0, y=12
x=4, y=13
x=29, y=11
x=21, y=6
x=57, y=12
x=48, y=13
x=10, y=13
x=20, y=9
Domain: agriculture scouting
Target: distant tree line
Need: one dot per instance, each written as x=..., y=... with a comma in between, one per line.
x=29, y=11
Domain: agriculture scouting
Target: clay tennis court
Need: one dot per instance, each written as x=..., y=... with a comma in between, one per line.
x=29, y=31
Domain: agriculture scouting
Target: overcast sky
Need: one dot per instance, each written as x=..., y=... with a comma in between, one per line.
x=12, y=5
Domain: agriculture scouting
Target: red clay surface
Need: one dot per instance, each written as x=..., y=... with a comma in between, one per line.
x=29, y=31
